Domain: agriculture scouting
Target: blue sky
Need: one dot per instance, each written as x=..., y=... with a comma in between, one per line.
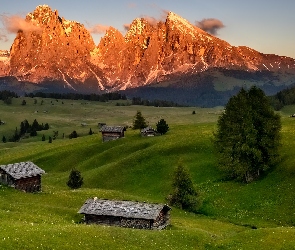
x=264, y=25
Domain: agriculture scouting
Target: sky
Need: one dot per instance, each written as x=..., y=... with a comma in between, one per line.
x=264, y=25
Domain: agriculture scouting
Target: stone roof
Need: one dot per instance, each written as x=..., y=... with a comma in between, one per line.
x=22, y=170
x=116, y=129
x=126, y=209
x=147, y=129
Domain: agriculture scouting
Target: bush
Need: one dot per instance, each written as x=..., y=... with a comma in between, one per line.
x=73, y=134
x=75, y=179
x=162, y=127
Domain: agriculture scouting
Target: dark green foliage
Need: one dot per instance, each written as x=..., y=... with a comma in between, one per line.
x=50, y=139
x=283, y=98
x=73, y=134
x=43, y=137
x=90, y=132
x=24, y=102
x=4, y=139
x=16, y=136
x=139, y=121
x=75, y=179
x=33, y=132
x=162, y=127
x=184, y=195
x=8, y=100
x=194, y=112
x=46, y=126
x=7, y=95
x=55, y=135
x=248, y=136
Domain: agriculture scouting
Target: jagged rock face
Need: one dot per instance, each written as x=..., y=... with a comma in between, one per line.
x=4, y=63
x=64, y=50
x=57, y=49
x=151, y=53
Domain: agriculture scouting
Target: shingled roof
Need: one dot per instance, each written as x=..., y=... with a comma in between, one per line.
x=22, y=170
x=127, y=209
x=116, y=129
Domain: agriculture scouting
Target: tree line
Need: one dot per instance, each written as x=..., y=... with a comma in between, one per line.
x=155, y=103
x=283, y=98
x=76, y=96
x=26, y=128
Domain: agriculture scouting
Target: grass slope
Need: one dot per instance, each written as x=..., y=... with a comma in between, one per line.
x=136, y=168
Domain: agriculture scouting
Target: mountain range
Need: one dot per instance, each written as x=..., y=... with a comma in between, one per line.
x=172, y=60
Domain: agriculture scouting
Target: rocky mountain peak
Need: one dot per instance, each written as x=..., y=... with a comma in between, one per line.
x=62, y=50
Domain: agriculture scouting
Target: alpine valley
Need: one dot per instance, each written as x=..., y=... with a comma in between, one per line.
x=172, y=60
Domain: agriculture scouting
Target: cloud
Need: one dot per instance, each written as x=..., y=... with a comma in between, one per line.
x=14, y=23
x=98, y=29
x=3, y=36
x=210, y=25
x=126, y=26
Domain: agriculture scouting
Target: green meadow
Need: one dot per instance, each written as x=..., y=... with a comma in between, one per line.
x=259, y=215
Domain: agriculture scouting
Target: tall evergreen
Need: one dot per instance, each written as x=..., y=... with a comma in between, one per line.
x=248, y=136
x=162, y=127
x=184, y=194
x=75, y=179
x=139, y=121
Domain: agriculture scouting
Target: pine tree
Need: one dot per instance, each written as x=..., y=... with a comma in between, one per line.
x=139, y=121
x=248, y=136
x=90, y=132
x=162, y=127
x=75, y=179
x=184, y=195
x=43, y=137
x=50, y=139
x=4, y=139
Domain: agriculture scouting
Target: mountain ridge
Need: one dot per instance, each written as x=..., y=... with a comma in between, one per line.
x=60, y=50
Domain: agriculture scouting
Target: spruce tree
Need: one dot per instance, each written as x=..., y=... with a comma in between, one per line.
x=162, y=127
x=139, y=121
x=248, y=136
x=183, y=195
x=75, y=179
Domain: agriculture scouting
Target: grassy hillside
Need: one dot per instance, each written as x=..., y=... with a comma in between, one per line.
x=232, y=215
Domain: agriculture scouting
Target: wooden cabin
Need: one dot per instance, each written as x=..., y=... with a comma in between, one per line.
x=126, y=214
x=25, y=176
x=148, y=131
x=110, y=133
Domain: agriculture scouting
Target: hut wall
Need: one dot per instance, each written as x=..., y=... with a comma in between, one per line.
x=30, y=184
x=162, y=220
x=118, y=221
x=102, y=219
x=108, y=136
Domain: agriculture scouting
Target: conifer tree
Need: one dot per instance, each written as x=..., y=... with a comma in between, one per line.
x=139, y=121
x=248, y=136
x=75, y=179
x=162, y=127
x=184, y=194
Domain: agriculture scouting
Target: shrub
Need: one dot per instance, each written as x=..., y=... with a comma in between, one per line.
x=162, y=127
x=75, y=179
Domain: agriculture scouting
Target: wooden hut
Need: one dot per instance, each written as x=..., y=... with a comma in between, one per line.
x=126, y=213
x=25, y=176
x=148, y=131
x=112, y=132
